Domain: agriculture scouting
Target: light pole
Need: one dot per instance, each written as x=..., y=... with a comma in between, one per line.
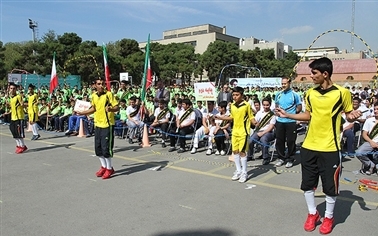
x=237, y=65
x=33, y=26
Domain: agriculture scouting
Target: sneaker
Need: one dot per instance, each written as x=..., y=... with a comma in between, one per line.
x=236, y=176
x=21, y=149
x=17, y=149
x=326, y=226
x=243, y=178
x=131, y=141
x=37, y=137
x=163, y=145
x=171, y=149
x=24, y=148
x=370, y=171
x=209, y=151
x=363, y=172
x=194, y=150
x=181, y=150
x=289, y=164
x=101, y=172
x=266, y=162
x=108, y=173
x=217, y=153
x=223, y=153
x=311, y=221
x=279, y=163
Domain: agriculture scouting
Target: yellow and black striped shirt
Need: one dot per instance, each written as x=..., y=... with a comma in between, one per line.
x=242, y=116
x=17, y=109
x=325, y=107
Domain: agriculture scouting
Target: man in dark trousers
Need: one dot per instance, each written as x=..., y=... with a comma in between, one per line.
x=286, y=128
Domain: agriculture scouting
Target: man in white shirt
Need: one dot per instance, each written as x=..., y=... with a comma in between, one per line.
x=184, y=125
x=162, y=116
x=370, y=135
x=133, y=112
x=264, y=131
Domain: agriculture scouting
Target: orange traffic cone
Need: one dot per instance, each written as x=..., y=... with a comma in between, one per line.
x=81, y=130
x=29, y=129
x=145, y=140
x=231, y=157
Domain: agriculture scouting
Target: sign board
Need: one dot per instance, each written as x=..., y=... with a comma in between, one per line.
x=81, y=106
x=15, y=78
x=205, y=91
x=257, y=82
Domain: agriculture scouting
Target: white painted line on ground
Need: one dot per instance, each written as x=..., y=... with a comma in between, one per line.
x=187, y=207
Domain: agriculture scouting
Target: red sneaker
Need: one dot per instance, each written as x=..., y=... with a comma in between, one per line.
x=100, y=172
x=24, y=148
x=108, y=173
x=18, y=149
x=326, y=226
x=311, y=221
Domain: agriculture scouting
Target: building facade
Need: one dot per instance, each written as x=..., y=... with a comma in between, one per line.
x=251, y=43
x=332, y=53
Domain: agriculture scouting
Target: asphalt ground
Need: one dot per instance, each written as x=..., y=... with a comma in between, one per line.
x=51, y=189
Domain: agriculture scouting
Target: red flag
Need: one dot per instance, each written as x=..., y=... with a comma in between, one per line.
x=54, y=77
x=106, y=66
x=149, y=75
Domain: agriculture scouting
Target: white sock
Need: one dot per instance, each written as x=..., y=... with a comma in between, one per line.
x=237, y=162
x=103, y=162
x=22, y=143
x=34, y=129
x=109, y=165
x=310, y=200
x=243, y=161
x=17, y=141
x=330, y=205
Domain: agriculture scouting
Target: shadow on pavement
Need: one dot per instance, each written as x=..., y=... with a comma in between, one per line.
x=215, y=232
x=133, y=168
x=65, y=145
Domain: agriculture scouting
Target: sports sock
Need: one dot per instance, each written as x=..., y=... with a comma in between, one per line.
x=237, y=162
x=109, y=165
x=22, y=143
x=330, y=205
x=17, y=142
x=34, y=129
x=103, y=162
x=243, y=161
x=310, y=200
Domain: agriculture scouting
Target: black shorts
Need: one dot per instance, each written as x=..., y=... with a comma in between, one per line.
x=17, y=128
x=327, y=165
x=104, y=141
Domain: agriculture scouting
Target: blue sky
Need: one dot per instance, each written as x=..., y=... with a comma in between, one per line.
x=296, y=23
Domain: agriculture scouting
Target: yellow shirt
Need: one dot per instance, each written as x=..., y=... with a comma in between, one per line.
x=103, y=119
x=17, y=109
x=242, y=116
x=325, y=107
x=33, y=103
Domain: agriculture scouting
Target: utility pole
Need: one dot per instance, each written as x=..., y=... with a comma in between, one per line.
x=352, y=27
x=34, y=27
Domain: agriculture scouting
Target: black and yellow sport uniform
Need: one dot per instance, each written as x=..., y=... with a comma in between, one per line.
x=104, y=123
x=241, y=128
x=33, y=108
x=17, y=117
x=320, y=152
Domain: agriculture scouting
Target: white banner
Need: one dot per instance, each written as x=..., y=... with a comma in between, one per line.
x=254, y=82
x=81, y=106
x=205, y=91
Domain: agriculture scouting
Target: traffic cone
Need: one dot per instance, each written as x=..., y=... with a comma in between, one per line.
x=81, y=130
x=145, y=140
x=29, y=129
x=231, y=157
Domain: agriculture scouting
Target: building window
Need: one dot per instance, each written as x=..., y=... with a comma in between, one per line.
x=170, y=36
x=185, y=34
x=200, y=32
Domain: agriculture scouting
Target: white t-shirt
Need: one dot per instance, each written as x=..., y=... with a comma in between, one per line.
x=157, y=112
x=260, y=115
x=368, y=126
x=191, y=117
x=130, y=110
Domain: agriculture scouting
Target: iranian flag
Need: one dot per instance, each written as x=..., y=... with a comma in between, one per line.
x=106, y=66
x=147, y=71
x=54, y=77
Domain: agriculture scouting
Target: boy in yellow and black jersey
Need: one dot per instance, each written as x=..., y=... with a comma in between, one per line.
x=17, y=118
x=320, y=152
x=104, y=105
x=242, y=117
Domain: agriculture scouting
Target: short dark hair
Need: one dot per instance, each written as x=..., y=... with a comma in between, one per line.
x=238, y=89
x=187, y=102
x=322, y=64
x=267, y=99
x=223, y=104
x=162, y=101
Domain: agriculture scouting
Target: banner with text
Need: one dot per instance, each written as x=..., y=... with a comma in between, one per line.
x=256, y=82
x=205, y=91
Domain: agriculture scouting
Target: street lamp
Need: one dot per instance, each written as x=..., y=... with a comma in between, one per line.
x=33, y=26
x=237, y=65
